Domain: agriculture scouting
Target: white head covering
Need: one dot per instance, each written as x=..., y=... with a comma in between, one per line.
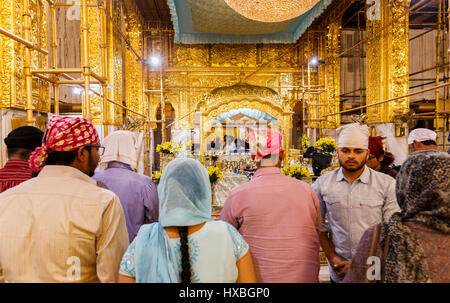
x=120, y=146
x=421, y=134
x=353, y=135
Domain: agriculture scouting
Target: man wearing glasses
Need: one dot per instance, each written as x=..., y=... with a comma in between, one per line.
x=59, y=226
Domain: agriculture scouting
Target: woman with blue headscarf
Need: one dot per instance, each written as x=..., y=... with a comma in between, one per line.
x=186, y=245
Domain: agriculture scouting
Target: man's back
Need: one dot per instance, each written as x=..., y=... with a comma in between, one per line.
x=61, y=227
x=279, y=217
x=137, y=194
x=13, y=173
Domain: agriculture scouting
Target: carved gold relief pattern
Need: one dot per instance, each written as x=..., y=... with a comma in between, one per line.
x=115, y=65
x=192, y=56
x=12, y=78
x=94, y=62
x=278, y=55
x=374, y=73
x=18, y=96
x=7, y=47
x=133, y=68
x=398, y=50
x=243, y=55
x=388, y=58
x=333, y=74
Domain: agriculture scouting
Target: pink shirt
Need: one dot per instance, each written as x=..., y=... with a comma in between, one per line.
x=279, y=217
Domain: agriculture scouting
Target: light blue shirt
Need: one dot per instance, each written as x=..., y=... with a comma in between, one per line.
x=349, y=209
x=213, y=253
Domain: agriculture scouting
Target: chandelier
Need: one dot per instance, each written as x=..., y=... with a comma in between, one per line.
x=271, y=10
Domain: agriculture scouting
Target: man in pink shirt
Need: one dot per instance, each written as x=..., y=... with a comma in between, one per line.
x=278, y=216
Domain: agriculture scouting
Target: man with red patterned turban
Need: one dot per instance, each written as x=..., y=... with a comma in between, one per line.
x=59, y=226
x=380, y=160
x=278, y=216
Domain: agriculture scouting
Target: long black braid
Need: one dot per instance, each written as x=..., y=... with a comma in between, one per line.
x=184, y=249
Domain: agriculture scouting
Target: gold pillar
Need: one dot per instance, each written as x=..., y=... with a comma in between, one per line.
x=115, y=63
x=96, y=57
x=133, y=67
x=85, y=59
x=333, y=71
x=11, y=57
x=387, y=56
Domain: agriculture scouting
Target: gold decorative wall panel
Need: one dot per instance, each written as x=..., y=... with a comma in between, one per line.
x=12, y=77
x=95, y=63
x=115, y=63
x=133, y=68
x=333, y=73
x=387, y=55
x=193, y=56
x=242, y=55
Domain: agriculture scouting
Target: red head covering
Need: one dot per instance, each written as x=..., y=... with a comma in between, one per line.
x=64, y=134
x=376, y=146
x=265, y=142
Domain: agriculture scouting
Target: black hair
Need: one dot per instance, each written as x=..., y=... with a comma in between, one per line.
x=184, y=249
x=63, y=157
x=428, y=142
x=23, y=153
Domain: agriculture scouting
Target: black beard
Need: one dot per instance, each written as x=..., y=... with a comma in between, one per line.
x=352, y=169
x=92, y=166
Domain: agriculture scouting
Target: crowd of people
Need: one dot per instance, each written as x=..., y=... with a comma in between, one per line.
x=75, y=210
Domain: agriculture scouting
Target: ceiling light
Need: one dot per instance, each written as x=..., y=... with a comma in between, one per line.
x=271, y=10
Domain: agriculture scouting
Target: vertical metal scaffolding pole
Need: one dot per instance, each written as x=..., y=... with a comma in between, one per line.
x=27, y=63
x=85, y=58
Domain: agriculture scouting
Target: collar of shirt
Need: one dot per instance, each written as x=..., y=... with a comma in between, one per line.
x=58, y=171
x=271, y=170
x=364, y=177
x=117, y=164
x=15, y=164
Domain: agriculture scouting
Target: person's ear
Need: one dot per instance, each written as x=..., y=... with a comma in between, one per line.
x=381, y=158
x=82, y=154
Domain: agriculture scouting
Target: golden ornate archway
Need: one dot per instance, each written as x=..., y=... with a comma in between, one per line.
x=224, y=99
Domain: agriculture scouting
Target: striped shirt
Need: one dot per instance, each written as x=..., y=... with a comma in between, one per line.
x=13, y=173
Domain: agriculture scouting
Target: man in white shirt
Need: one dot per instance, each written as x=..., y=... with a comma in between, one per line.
x=353, y=198
x=59, y=226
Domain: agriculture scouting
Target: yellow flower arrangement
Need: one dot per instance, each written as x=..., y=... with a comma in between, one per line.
x=326, y=144
x=305, y=142
x=168, y=148
x=296, y=171
x=215, y=174
x=156, y=175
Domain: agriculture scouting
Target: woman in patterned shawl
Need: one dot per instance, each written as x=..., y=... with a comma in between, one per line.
x=417, y=237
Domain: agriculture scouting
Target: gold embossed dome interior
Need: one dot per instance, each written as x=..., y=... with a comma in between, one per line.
x=271, y=10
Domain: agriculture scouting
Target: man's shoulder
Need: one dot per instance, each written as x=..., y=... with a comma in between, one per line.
x=381, y=177
x=332, y=175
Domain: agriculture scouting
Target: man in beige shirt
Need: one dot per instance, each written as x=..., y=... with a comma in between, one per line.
x=59, y=226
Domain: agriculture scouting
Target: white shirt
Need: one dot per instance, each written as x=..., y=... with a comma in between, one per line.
x=353, y=208
x=61, y=227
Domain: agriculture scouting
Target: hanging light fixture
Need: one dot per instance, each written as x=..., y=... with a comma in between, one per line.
x=271, y=10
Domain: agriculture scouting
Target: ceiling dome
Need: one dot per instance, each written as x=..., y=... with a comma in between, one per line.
x=271, y=10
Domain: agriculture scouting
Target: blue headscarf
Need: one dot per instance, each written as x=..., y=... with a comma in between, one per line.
x=184, y=193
